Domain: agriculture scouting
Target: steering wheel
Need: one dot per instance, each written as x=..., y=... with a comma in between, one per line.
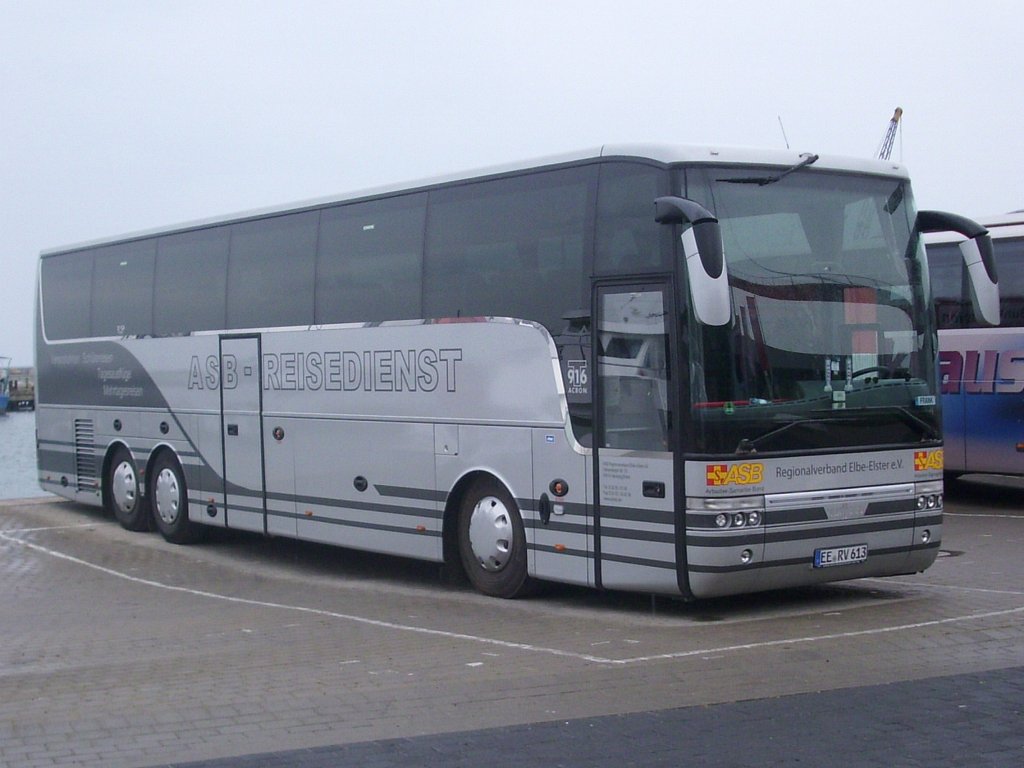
x=890, y=371
x=872, y=369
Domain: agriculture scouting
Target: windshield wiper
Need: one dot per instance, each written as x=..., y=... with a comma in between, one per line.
x=928, y=431
x=761, y=181
x=925, y=430
x=746, y=445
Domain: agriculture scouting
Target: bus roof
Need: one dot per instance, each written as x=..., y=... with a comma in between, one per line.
x=1011, y=219
x=667, y=154
x=1000, y=225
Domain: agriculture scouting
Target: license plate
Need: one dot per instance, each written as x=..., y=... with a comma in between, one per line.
x=826, y=558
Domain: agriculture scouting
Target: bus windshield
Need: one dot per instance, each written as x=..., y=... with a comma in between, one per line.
x=827, y=348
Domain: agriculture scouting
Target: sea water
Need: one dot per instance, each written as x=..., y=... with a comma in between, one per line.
x=18, y=479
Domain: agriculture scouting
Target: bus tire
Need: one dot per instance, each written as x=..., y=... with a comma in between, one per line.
x=492, y=540
x=169, y=496
x=124, y=498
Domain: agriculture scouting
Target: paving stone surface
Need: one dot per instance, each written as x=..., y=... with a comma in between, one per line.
x=120, y=650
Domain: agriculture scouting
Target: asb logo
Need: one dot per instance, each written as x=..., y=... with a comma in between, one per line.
x=734, y=474
x=926, y=460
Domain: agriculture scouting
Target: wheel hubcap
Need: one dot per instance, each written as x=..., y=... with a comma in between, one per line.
x=491, y=533
x=124, y=487
x=168, y=496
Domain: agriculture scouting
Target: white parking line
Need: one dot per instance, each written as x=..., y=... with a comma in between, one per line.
x=982, y=514
x=948, y=587
x=298, y=608
x=51, y=528
x=528, y=647
x=817, y=638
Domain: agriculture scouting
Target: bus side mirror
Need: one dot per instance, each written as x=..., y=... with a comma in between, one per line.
x=978, y=255
x=704, y=256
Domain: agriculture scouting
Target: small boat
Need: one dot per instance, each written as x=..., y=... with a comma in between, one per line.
x=5, y=383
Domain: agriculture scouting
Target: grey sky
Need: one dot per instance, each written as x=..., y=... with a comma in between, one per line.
x=120, y=116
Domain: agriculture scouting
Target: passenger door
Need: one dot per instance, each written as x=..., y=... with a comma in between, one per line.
x=633, y=446
x=242, y=433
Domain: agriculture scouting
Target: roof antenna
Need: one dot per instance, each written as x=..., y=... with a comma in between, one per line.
x=783, y=132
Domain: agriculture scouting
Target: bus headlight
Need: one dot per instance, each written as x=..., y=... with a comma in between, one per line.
x=728, y=512
x=929, y=496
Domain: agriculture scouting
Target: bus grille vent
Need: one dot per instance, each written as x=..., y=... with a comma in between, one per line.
x=85, y=454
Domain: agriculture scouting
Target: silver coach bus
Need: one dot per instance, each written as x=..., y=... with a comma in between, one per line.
x=675, y=370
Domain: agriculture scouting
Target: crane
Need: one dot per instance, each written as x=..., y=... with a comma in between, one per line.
x=885, y=149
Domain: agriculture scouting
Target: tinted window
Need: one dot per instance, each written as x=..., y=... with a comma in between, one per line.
x=271, y=271
x=945, y=266
x=509, y=247
x=370, y=261
x=191, y=274
x=67, y=287
x=952, y=291
x=628, y=238
x=633, y=370
x=1010, y=268
x=122, y=289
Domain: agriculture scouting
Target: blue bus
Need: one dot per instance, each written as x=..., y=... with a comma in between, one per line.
x=981, y=366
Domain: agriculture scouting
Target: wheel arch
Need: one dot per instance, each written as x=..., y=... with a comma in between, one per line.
x=173, y=522
x=159, y=450
x=452, y=505
x=108, y=459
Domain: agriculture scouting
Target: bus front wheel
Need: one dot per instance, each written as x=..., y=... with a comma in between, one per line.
x=123, y=493
x=492, y=540
x=170, y=501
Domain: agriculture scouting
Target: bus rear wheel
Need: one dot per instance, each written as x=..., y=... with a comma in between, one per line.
x=170, y=501
x=492, y=540
x=124, y=498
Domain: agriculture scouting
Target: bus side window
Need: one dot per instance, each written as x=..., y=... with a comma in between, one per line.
x=509, y=247
x=191, y=275
x=952, y=306
x=271, y=271
x=629, y=240
x=1010, y=264
x=370, y=261
x=66, y=282
x=122, y=289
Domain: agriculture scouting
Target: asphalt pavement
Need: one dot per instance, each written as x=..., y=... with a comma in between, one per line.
x=972, y=720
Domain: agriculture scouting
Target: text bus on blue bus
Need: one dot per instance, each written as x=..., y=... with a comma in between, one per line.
x=981, y=365
x=675, y=370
